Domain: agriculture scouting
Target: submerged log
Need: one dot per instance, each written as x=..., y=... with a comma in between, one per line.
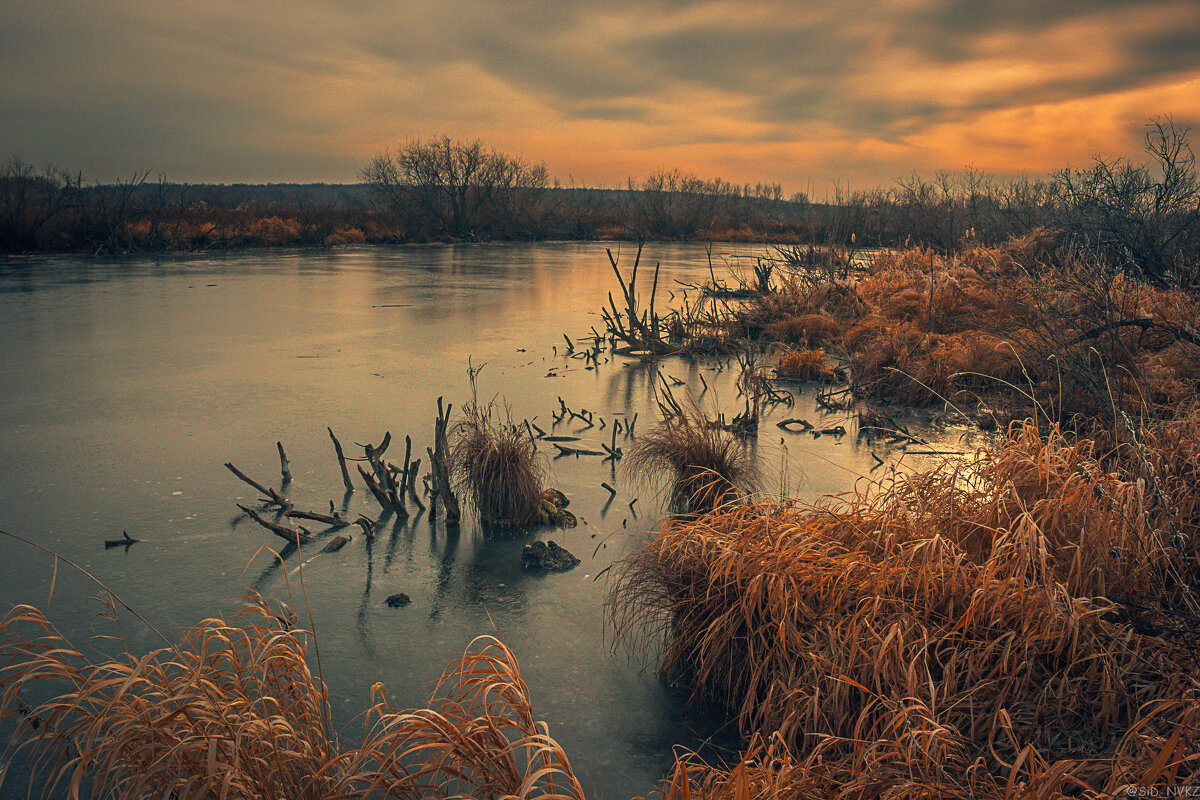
x=335, y=544
x=125, y=542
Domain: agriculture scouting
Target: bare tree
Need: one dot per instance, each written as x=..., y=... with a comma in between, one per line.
x=455, y=187
x=108, y=210
x=1147, y=214
x=675, y=204
x=29, y=200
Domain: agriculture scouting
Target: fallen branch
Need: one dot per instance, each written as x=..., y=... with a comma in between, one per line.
x=335, y=544
x=295, y=536
x=577, y=451
x=1144, y=324
x=332, y=520
x=267, y=493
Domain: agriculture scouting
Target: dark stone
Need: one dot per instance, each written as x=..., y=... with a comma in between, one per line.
x=398, y=600
x=548, y=556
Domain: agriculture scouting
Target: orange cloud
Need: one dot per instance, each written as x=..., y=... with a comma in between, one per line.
x=600, y=90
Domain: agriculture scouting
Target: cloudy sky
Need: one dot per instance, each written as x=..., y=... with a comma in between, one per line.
x=802, y=93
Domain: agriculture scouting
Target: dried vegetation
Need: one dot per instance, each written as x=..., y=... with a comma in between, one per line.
x=702, y=466
x=496, y=463
x=1023, y=625
x=234, y=710
x=1056, y=332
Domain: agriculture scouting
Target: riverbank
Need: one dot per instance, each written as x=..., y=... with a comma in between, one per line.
x=1020, y=623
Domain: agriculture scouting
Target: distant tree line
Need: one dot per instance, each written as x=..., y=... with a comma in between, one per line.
x=441, y=188
x=51, y=210
x=1144, y=214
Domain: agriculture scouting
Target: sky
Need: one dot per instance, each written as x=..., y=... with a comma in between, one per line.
x=808, y=94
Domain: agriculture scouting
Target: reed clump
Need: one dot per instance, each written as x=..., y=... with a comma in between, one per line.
x=702, y=466
x=1018, y=624
x=496, y=462
x=808, y=329
x=803, y=364
x=234, y=710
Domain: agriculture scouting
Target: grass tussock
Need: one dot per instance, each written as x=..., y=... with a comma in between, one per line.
x=1021, y=625
x=496, y=462
x=234, y=710
x=809, y=329
x=702, y=466
x=803, y=364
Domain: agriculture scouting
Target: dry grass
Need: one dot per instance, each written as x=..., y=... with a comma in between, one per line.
x=702, y=466
x=896, y=759
x=496, y=462
x=1017, y=324
x=234, y=711
x=803, y=364
x=809, y=329
x=1016, y=625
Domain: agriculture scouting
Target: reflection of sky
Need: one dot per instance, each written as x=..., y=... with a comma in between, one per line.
x=128, y=384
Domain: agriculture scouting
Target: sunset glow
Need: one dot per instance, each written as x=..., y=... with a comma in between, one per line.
x=758, y=90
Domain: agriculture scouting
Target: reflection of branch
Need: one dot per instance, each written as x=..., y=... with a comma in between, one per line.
x=258, y=583
x=364, y=631
x=445, y=570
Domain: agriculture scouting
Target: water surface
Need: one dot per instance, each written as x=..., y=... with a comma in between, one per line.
x=128, y=383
